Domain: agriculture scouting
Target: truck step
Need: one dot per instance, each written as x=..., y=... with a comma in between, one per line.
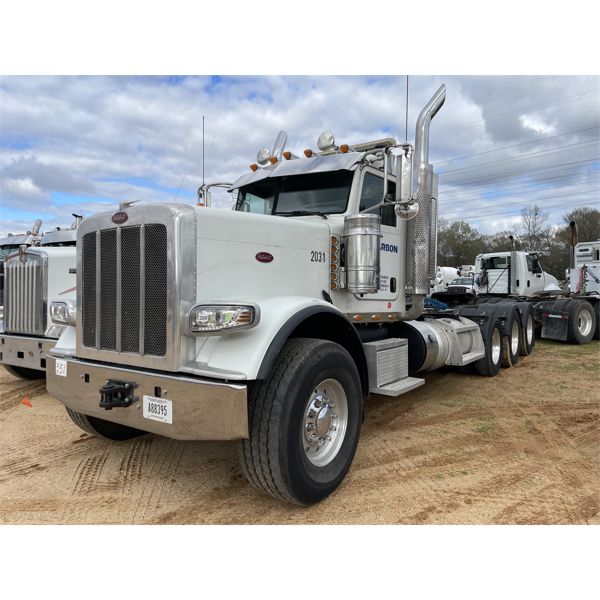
x=398, y=388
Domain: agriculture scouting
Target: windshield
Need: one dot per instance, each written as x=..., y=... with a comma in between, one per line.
x=6, y=250
x=310, y=193
x=462, y=281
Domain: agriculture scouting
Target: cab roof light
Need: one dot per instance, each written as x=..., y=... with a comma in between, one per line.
x=273, y=160
x=308, y=153
x=253, y=167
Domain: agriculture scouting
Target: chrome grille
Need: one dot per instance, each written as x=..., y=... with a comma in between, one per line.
x=24, y=296
x=124, y=289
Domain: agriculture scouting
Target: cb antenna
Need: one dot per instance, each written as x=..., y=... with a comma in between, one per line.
x=406, y=118
x=203, y=150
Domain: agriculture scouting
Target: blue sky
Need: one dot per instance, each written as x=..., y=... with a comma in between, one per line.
x=83, y=144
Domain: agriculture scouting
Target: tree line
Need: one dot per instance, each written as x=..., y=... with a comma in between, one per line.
x=459, y=242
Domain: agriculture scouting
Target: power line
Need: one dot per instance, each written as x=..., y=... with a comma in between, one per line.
x=509, y=213
x=536, y=141
x=526, y=186
x=496, y=205
x=526, y=172
x=531, y=155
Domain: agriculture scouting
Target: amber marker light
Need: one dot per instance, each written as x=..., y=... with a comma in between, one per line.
x=357, y=318
x=253, y=167
x=273, y=160
x=287, y=155
x=308, y=153
x=344, y=148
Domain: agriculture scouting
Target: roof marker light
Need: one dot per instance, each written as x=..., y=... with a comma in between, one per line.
x=253, y=167
x=308, y=153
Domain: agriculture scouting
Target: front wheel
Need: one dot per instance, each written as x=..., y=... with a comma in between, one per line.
x=582, y=322
x=304, y=422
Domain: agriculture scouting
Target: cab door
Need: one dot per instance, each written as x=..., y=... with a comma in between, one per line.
x=392, y=254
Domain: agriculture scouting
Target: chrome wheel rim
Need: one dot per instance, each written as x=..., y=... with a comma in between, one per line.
x=325, y=421
x=496, y=346
x=514, y=338
x=584, y=322
x=529, y=330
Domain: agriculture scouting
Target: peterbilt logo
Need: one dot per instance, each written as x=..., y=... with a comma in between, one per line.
x=119, y=218
x=264, y=257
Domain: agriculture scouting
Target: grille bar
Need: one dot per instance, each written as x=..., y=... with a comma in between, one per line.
x=120, y=268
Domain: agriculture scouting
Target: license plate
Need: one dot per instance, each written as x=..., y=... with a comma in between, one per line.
x=61, y=368
x=158, y=409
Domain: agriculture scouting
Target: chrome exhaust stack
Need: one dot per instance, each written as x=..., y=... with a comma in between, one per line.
x=573, y=243
x=421, y=238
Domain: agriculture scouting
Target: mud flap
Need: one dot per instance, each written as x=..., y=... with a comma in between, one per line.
x=555, y=326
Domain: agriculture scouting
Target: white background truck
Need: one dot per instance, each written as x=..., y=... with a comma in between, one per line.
x=572, y=317
x=34, y=276
x=270, y=323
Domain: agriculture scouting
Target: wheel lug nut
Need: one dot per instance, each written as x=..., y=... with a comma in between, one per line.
x=313, y=437
x=318, y=403
x=310, y=426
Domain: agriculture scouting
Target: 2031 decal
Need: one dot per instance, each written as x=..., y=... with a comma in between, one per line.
x=317, y=256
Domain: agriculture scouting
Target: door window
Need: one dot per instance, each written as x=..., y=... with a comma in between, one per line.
x=372, y=194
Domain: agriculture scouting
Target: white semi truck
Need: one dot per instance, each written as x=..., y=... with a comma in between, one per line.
x=270, y=323
x=33, y=276
x=518, y=276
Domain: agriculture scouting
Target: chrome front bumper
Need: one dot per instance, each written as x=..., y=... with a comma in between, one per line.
x=27, y=352
x=202, y=409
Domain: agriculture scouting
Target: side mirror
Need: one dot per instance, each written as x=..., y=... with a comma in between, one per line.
x=404, y=177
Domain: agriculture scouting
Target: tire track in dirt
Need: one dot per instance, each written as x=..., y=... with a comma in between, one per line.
x=87, y=474
x=159, y=480
x=12, y=398
x=132, y=465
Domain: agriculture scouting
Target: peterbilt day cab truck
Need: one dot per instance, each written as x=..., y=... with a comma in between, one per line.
x=34, y=276
x=270, y=323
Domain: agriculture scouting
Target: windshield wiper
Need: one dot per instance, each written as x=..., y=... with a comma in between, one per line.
x=301, y=213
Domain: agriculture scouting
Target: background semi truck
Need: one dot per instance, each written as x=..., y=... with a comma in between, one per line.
x=33, y=276
x=269, y=324
x=518, y=276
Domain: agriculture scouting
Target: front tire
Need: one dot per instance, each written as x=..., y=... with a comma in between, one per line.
x=24, y=373
x=304, y=422
x=582, y=322
x=102, y=428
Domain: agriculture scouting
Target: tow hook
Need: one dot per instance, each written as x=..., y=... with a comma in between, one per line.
x=116, y=393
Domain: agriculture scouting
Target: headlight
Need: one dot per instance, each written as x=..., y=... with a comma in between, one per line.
x=63, y=312
x=218, y=318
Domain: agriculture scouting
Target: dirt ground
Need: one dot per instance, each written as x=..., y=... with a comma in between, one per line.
x=523, y=447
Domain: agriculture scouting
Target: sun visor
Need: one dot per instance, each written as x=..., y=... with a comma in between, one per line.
x=300, y=166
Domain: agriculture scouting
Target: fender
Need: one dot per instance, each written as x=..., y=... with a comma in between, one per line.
x=253, y=351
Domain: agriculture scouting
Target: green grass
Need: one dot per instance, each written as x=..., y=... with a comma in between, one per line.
x=484, y=427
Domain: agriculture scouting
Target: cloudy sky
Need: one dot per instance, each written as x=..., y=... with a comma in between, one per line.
x=82, y=144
